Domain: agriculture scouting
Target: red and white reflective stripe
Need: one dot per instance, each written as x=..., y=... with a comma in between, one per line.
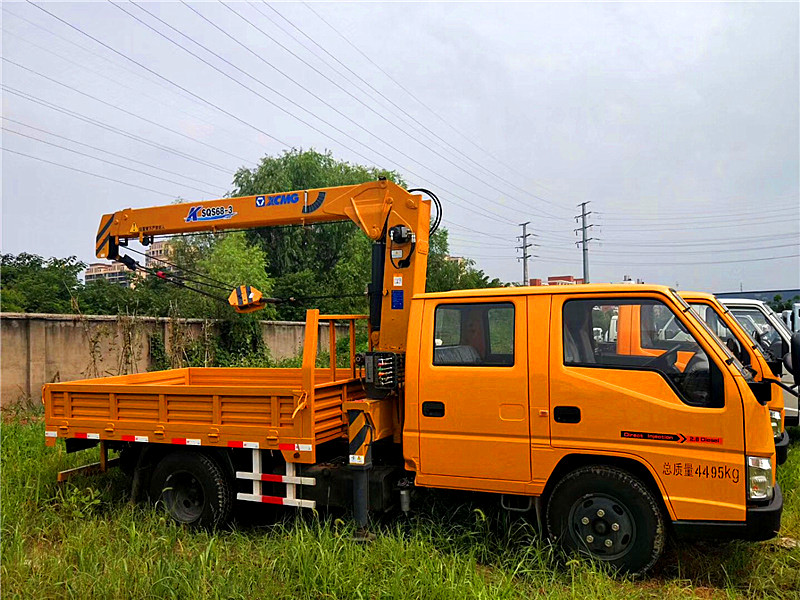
x=276, y=478
x=87, y=436
x=50, y=434
x=186, y=441
x=250, y=445
x=135, y=438
x=277, y=500
x=296, y=447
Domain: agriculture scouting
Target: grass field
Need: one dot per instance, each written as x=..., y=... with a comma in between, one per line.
x=85, y=540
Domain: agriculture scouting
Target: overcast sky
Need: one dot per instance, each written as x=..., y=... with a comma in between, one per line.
x=677, y=122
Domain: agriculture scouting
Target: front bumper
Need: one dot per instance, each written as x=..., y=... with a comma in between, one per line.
x=782, y=447
x=762, y=523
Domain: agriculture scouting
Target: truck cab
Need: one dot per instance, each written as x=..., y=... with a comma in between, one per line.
x=510, y=391
x=723, y=324
x=772, y=335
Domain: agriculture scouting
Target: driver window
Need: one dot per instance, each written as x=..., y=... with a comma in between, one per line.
x=637, y=334
x=480, y=334
x=721, y=330
x=760, y=329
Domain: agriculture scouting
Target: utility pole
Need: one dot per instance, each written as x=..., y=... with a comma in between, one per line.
x=584, y=229
x=524, y=247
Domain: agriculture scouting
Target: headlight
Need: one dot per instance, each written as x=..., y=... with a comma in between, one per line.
x=759, y=478
x=775, y=421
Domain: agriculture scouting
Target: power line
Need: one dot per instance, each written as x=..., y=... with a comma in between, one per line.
x=424, y=130
x=304, y=88
x=478, y=207
x=407, y=91
x=110, y=153
x=116, y=65
x=149, y=70
x=30, y=137
x=88, y=173
x=118, y=131
x=119, y=108
x=697, y=217
x=357, y=99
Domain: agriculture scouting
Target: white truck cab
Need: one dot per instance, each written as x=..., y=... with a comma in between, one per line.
x=771, y=333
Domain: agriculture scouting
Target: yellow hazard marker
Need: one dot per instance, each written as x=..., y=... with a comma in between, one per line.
x=246, y=299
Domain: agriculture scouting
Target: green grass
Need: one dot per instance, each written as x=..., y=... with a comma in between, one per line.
x=85, y=540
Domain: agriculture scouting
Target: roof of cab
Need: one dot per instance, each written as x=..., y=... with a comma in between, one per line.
x=685, y=294
x=581, y=288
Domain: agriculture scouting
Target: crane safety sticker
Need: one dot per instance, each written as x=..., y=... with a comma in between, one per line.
x=670, y=437
x=210, y=213
x=687, y=469
x=50, y=434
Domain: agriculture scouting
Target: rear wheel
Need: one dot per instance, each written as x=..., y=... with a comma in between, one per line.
x=608, y=514
x=193, y=489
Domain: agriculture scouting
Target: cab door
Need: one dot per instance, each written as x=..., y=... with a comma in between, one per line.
x=473, y=389
x=685, y=422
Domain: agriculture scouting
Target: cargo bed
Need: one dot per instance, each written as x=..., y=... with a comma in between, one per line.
x=291, y=410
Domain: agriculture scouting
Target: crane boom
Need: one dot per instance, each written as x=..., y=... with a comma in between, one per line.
x=395, y=220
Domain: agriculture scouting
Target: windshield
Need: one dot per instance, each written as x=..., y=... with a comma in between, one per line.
x=715, y=322
x=781, y=326
x=761, y=329
x=731, y=359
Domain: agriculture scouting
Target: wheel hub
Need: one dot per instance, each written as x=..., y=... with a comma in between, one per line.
x=602, y=526
x=183, y=497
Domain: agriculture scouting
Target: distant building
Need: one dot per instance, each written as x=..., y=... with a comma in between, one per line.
x=111, y=272
x=456, y=259
x=557, y=280
x=157, y=253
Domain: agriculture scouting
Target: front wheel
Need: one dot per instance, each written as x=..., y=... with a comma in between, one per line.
x=193, y=489
x=608, y=514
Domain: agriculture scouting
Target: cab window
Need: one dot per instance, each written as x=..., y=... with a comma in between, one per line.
x=639, y=334
x=756, y=324
x=480, y=334
x=721, y=330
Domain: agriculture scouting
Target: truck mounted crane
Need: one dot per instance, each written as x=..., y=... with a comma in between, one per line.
x=505, y=391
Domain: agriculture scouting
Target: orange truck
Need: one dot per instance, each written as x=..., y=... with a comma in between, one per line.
x=504, y=391
x=751, y=354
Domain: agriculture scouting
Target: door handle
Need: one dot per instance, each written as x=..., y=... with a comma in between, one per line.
x=567, y=414
x=433, y=409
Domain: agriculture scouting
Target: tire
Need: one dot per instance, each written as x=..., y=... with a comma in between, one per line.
x=193, y=489
x=608, y=514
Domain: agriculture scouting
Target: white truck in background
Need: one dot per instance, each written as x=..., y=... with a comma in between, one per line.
x=791, y=317
x=771, y=333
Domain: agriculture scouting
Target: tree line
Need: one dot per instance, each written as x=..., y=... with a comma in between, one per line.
x=326, y=266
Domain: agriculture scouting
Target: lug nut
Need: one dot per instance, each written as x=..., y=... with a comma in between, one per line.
x=585, y=520
x=601, y=512
x=590, y=538
x=615, y=526
x=609, y=543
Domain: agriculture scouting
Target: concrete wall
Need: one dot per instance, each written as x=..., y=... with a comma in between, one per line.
x=38, y=348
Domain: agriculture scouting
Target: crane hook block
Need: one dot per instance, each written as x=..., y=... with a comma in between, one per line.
x=246, y=299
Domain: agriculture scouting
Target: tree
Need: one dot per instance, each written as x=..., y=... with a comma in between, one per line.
x=445, y=274
x=778, y=304
x=31, y=283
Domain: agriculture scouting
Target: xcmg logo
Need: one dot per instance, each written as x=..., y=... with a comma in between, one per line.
x=210, y=213
x=277, y=200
